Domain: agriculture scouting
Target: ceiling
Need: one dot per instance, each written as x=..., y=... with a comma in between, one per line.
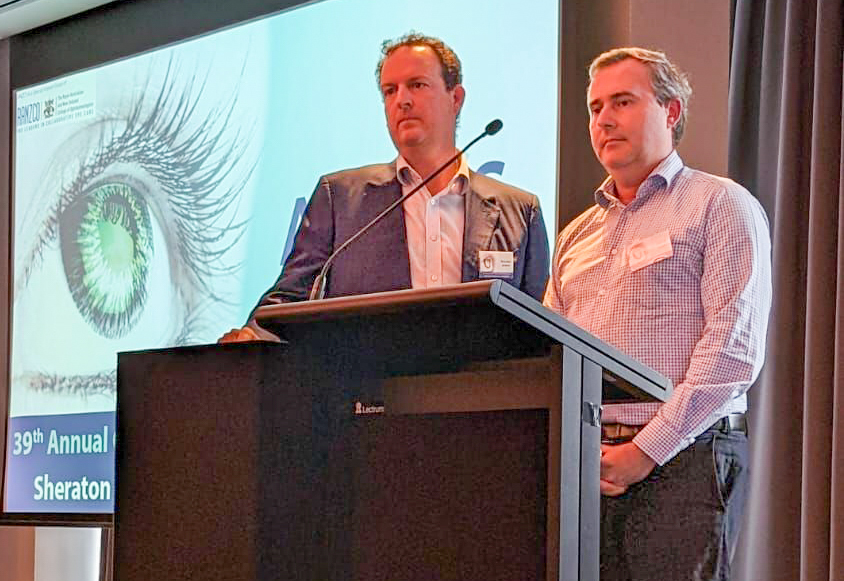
x=18, y=16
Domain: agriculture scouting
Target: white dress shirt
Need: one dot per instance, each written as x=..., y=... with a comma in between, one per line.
x=434, y=226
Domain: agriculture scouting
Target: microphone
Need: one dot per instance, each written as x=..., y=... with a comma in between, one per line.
x=318, y=288
x=492, y=128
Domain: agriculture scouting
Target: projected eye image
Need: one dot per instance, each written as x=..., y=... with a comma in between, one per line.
x=135, y=221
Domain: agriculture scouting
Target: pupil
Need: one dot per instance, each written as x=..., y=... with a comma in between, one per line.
x=116, y=241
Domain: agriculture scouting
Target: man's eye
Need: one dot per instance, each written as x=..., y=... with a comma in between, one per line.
x=107, y=250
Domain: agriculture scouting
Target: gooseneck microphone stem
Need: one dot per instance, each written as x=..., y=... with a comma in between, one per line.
x=318, y=288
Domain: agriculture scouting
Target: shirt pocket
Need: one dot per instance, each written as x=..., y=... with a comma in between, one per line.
x=666, y=282
x=650, y=250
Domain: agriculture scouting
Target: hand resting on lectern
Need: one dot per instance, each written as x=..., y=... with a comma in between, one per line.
x=240, y=335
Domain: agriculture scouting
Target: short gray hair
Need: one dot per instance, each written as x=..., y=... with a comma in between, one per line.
x=667, y=81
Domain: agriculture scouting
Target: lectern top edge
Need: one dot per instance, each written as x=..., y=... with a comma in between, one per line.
x=374, y=303
x=487, y=292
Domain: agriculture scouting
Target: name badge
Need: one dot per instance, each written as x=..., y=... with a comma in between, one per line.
x=649, y=250
x=495, y=264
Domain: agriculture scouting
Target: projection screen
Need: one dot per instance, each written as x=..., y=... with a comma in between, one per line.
x=155, y=197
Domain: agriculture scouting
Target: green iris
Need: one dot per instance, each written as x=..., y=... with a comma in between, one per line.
x=106, y=239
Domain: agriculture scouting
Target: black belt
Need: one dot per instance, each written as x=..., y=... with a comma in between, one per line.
x=620, y=433
x=731, y=423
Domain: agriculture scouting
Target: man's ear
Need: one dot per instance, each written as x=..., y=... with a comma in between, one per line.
x=459, y=95
x=674, y=107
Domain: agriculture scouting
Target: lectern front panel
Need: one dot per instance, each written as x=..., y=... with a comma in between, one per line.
x=449, y=496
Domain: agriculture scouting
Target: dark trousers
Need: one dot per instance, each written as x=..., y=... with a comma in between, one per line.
x=681, y=522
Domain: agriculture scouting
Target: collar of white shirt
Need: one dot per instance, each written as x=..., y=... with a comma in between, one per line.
x=408, y=177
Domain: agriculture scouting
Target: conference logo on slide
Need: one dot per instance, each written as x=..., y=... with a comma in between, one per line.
x=66, y=100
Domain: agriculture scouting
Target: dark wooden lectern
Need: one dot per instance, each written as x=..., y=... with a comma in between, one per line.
x=437, y=434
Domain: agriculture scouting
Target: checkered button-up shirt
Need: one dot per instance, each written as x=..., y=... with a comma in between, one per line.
x=679, y=279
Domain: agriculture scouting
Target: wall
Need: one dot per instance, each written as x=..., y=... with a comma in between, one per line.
x=5, y=184
x=17, y=553
x=695, y=35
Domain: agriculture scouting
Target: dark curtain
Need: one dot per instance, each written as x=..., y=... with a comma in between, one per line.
x=786, y=145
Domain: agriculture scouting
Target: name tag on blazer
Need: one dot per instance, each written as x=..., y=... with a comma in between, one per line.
x=495, y=264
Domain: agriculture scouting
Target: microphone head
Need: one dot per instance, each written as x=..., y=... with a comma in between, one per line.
x=494, y=127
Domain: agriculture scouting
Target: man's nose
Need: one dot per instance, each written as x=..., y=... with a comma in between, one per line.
x=403, y=98
x=604, y=118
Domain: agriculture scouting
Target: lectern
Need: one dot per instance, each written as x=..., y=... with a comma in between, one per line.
x=448, y=433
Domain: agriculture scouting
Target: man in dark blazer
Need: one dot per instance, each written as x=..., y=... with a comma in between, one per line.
x=461, y=227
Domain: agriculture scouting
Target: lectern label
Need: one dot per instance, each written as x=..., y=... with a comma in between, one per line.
x=364, y=409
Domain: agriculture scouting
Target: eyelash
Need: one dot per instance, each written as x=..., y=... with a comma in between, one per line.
x=163, y=145
x=85, y=385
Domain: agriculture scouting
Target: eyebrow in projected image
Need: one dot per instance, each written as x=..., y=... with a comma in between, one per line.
x=132, y=236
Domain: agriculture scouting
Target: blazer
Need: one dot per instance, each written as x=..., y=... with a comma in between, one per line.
x=497, y=217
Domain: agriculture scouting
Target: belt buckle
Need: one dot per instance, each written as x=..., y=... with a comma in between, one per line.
x=617, y=433
x=613, y=440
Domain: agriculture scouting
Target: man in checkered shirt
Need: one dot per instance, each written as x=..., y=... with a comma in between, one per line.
x=672, y=266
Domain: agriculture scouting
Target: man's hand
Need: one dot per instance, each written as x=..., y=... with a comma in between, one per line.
x=239, y=336
x=621, y=466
